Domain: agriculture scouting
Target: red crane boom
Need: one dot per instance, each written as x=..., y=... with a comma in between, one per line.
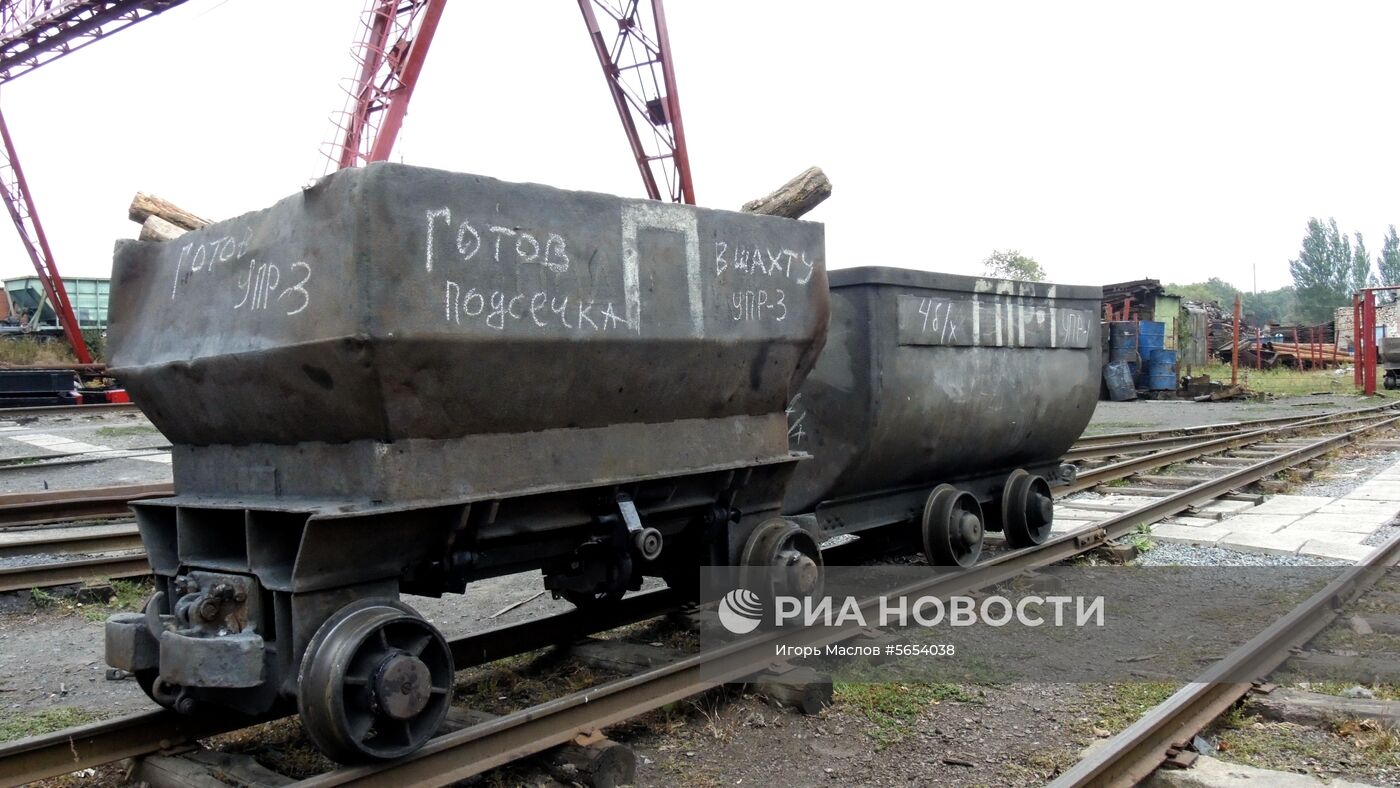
x=637, y=64
x=32, y=33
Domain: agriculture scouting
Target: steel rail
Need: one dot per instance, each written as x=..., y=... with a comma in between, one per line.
x=1136, y=752
x=502, y=740
x=1151, y=444
x=1223, y=426
x=62, y=543
x=1192, y=451
x=20, y=578
x=61, y=752
x=96, y=407
x=471, y=751
x=79, y=504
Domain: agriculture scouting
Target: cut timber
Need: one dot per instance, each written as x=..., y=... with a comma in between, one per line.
x=794, y=198
x=145, y=205
x=205, y=769
x=621, y=656
x=158, y=229
x=1318, y=710
x=592, y=760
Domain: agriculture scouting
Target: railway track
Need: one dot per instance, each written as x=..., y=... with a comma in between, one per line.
x=1165, y=731
x=47, y=410
x=472, y=750
x=38, y=508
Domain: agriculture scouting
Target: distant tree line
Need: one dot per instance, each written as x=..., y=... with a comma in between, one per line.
x=1329, y=268
x=1269, y=306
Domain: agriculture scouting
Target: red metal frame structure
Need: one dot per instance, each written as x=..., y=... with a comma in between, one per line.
x=637, y=64
x=35, y=32
x=642, y=79
x=1364, y=329
x=32, y=33
x=15, y=192
x=390, y=54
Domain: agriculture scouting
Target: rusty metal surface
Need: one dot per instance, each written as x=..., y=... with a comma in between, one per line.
x=52, y=506
x=934, y=377
x=18, y=578
x=48, y=542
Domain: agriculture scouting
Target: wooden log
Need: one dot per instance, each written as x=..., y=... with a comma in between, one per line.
x=158, y=229
x=205, y=769
x=794, y=198
x=621, y=656
x=144, y=205
x=1319, y=710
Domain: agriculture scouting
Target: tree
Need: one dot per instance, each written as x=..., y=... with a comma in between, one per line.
x=1011, y=264
x=1388, y=261
x=1327, y=270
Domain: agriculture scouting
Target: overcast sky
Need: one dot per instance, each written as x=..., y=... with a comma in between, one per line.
x=1110, y=141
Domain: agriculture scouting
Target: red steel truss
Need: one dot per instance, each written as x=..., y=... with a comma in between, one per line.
x=390, y=54
x=34, y=32
x=15, y=193
x=642, y=79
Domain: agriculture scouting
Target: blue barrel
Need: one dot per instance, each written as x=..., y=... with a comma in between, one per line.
x=1123, y=344
x=1161, y=370
x=1118, y=376
x=1151, y=338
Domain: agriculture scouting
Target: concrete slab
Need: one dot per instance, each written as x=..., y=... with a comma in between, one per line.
x=1340, y=537
x=1071, y=513
x=1360, y=524
x=1318, y=548
x=1186, y=534
x=1226, y=506
x=1292, y=504
x=1267, y=543
x=1061, y=526
x=1266, y=523
x=1214, y=773
x=1373, y=491
x=1195, y=522
x=1360, y=506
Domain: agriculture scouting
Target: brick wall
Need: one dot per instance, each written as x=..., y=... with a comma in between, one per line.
x=1387, y=315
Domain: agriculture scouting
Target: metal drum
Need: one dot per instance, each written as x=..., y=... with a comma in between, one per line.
x=1161, y=371
x=1119, y=379
x=1123, y=344
x=1151, y=338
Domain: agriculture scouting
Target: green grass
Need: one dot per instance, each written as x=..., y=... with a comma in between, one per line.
x=894, y=708
x=1125, y=703
x=1283, y=381
x=19, y=726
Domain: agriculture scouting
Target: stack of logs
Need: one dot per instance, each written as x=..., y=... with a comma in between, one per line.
x=162, y=220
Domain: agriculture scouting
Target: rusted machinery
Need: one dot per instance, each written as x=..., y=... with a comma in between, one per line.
x=947, y=400
x=403, y=379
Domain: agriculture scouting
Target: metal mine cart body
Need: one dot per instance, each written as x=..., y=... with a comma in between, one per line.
x=946, y=399
x=1390, y=361
x=404, y=379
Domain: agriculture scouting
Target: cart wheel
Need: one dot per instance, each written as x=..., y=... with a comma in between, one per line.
x=952, y=527
x=790, y=553
x=374, y=683
x=1027, y=509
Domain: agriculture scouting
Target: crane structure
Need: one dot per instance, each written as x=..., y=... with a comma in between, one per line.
x=634, y=52
x=636, y=62
x=32, y=33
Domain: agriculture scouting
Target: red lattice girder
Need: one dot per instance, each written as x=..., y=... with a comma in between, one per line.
x=34, y=32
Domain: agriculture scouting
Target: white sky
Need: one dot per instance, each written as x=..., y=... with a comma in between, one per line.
x=1110, y=141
